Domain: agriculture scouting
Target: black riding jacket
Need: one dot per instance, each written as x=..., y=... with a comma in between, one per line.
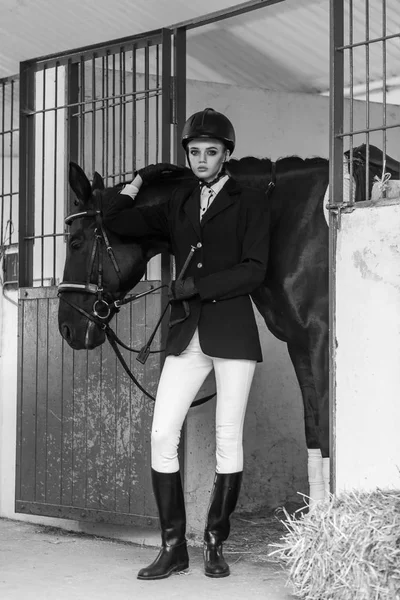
x=230, y=262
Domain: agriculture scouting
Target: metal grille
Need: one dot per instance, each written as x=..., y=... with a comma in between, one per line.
x=358, y=33
x=9, y=147
x=103, y=108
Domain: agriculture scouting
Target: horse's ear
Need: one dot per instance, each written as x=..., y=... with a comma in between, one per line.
x=79, y=182
x=98, y=183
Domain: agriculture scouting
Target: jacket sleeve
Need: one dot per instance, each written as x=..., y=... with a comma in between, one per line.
x=124, y=218
x=244, y=277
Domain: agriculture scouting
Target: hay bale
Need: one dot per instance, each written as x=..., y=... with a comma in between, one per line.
x=346, y=548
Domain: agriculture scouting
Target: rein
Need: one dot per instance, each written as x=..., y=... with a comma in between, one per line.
x=103, y=311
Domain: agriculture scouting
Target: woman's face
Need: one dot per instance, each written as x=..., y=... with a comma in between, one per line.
x=206, y=157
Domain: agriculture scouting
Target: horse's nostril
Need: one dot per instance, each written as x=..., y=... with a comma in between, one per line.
x=66, y=332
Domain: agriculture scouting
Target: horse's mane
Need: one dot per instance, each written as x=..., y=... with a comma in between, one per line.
x=258, y=171
x=249, y=171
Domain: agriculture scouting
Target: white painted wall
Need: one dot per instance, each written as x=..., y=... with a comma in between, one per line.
x=368, y=349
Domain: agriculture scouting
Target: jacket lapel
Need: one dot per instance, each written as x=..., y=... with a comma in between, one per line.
x=192, y=208
x=222, y=200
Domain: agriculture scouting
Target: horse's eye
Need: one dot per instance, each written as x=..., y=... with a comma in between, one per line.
x=75, y=243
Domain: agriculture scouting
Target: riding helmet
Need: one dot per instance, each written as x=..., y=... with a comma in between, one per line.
x=209, y=123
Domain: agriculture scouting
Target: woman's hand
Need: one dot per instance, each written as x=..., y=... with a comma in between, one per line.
x=156, y=171
x=182, y=289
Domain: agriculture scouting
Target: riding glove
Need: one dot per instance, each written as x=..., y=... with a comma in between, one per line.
x=156, y=171
x=182, y=289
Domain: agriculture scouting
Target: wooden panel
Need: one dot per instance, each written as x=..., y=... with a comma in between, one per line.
x=41, y=400
x=54, y=406
x=83, y=427
x=27, y=416
x=123, y=449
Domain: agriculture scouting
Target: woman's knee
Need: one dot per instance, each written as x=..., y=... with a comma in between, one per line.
x=164, y=442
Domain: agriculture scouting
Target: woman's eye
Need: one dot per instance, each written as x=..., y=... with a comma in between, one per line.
x=212, y=153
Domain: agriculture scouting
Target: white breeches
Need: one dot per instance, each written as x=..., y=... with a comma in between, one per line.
x=181, y=379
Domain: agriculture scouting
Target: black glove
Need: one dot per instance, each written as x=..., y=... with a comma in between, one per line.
x=156, y=171
x=182, y=289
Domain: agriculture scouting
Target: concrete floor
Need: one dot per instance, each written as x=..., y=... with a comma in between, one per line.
x=38, y=563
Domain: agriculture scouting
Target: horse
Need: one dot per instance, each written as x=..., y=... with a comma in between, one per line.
x=293, y=300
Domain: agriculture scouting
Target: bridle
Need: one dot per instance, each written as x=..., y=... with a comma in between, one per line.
x=104, y=310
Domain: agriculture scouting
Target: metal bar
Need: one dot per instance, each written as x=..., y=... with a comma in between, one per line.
x=351, y=119
x=93, y=114
x=384, y=74
x=146, y=105
x=3, y=125
x=123, y=112
x=8, y=131
x=107, y=119
x=226, y=13
x=9, y=79
x=120, y=115
x=43, y=162
x=113, y=116
x=134, y=115
x=157, y=105
x=368, y=42
x=55, y=172
x=11, y=150
x=72, y=132
x=82, y=93
x=150, y=92
x=180, y=93
x=26, y=174
x=367, y=105
x=102, y=50
x=336, y=197
x=369, y=130
x=103, y=119
x=166, y=97
x=45, y=235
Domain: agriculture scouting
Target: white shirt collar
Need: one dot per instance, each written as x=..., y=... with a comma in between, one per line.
x=217, y=187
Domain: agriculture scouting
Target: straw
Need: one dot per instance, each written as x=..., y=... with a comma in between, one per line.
x=345, y=548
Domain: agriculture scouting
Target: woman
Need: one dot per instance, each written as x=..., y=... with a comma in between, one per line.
x=220, y=230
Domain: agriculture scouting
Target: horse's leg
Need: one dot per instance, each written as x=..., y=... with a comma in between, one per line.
x=319, y=354
x=302, y=366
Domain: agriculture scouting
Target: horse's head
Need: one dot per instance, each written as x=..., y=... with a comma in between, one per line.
x=378, y=166
x=100, y=266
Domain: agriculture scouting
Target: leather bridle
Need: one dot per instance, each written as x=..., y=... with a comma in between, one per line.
x=104, y=310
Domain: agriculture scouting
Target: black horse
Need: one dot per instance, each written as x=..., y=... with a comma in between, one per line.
x=293, y=299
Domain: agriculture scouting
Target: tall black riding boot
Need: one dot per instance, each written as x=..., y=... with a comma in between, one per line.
x=173, y=555
x=222, y=504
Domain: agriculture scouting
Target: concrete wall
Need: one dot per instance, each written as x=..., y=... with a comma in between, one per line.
x=368, y=349
x=268, y=124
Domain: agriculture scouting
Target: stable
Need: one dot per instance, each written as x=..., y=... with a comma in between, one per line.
x=72, y=423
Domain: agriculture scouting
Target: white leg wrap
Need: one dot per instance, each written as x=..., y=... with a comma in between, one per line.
x=326, y=473
x=315, y=477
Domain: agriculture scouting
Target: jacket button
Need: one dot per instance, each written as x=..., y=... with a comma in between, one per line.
x=214, y=301
x=199, y=265
x=199, y=244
